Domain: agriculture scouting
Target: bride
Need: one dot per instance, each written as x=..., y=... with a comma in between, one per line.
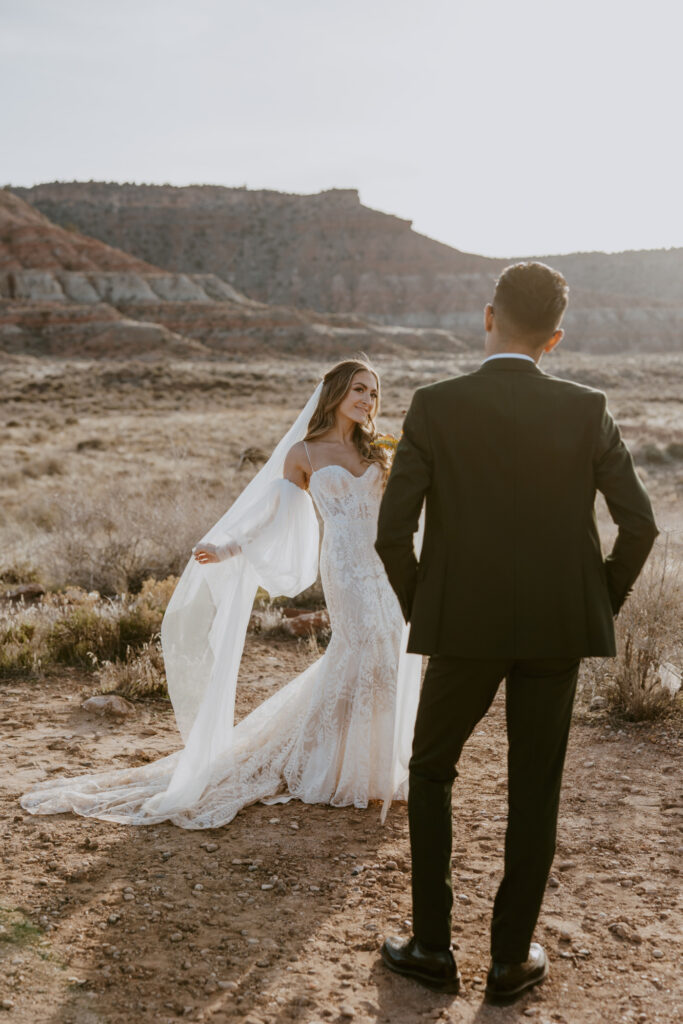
x=340, y=732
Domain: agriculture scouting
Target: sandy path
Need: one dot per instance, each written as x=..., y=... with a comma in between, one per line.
x=105, y=924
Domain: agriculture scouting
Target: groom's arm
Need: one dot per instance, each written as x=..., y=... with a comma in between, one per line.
x=629, y=506
x=401, y=505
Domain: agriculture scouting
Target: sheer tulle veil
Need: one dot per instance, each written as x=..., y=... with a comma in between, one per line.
x=205, y=624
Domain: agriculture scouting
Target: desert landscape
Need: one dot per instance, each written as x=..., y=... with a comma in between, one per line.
x=138, y=397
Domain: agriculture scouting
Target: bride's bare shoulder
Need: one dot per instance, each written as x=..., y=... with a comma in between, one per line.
x=297, y=454
x=297, y=467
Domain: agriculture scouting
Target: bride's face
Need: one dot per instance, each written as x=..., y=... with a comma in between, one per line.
x=360, y=401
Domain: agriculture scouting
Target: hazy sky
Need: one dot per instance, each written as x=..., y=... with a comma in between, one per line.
x=505, y=127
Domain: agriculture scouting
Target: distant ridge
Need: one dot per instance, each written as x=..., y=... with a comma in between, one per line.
x=328, y=252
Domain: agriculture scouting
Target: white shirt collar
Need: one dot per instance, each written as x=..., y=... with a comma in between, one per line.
x=508, y=355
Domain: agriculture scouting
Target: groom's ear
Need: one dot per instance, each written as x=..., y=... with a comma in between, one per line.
x=555, y=340
x=488, y=317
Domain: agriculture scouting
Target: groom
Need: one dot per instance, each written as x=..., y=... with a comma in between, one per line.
x=511, y=584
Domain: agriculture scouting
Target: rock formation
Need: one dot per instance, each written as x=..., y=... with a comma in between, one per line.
x=327, y=252
x=65, y=294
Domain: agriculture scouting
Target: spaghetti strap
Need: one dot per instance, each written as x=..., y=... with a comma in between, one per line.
x=308, y=456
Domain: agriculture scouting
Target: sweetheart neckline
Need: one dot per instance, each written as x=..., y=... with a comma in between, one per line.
x=338, y=465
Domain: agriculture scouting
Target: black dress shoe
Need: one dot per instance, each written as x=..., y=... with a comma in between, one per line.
x=507, y=982
x=436, y=969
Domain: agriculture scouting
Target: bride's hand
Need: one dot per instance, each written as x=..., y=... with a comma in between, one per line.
x=205, y=554
x=208, y=553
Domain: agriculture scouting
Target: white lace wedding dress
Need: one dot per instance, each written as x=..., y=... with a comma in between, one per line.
x=334, y=734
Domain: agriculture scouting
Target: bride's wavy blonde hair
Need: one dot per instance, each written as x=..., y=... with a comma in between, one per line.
x=336, y=384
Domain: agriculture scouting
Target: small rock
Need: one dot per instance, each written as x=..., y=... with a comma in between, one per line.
x=566, y=865
x=589, y=764
x=273, y=821
x=623, y=930
x=109, y=704
x=176, y=937
x=266, y=886
x=294, y=825
x=346, y=1010
x=198, y=887
x=128, y=896
x=657, y=954
x=113, y=918
x=598, y=704
x=306, y=623
x=358, y=870
x=391, y=865
x=167, y=854
x=210, y=847
x=464, y=898
x=553, y=882
x=7, y=1004
x=228, y=986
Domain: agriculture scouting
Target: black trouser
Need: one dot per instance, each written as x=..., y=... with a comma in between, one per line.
x=456, y=694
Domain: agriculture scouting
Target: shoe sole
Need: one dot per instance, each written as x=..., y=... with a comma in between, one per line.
x=452, y=986
x=505, y=998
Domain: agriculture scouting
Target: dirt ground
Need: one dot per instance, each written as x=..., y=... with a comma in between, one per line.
x=279, y=916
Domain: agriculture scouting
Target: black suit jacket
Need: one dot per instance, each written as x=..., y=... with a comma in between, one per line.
x=508, y=460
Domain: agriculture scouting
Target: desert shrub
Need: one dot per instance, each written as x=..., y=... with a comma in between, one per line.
x=19, y=572
x=675, y=450
x=81, y=635
x=649, y=646
x=81, y=629
x=17, y=652
x=155, y=594
x=140, y=675
x=141, y=618
x=22, y=638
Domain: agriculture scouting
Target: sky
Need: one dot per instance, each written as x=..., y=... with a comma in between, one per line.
x=502, y=127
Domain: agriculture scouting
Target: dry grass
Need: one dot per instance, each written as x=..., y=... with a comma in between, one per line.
x=140, y=675
x=639, y=683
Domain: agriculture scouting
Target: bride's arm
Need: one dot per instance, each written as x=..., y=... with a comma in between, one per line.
x=296, y=470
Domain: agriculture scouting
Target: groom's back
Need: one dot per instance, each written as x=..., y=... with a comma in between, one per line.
x=511, y=544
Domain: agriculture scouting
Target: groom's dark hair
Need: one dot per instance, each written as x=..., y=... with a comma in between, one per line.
x=530, y=299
